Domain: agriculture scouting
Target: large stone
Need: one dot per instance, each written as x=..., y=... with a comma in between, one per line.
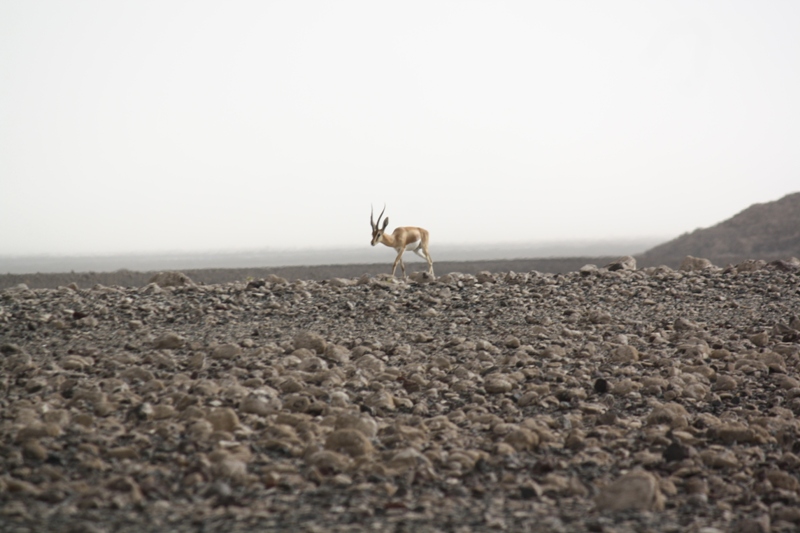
x=349, y=442
x=226, y=351
x=623, y=263
x=170, y=279
x=671, y=414
x=168, y=341
x=692, y=264
x=311, y=341
x=223, y=419
x=636, y=490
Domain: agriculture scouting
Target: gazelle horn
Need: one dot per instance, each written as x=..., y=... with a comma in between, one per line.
x=379, y=216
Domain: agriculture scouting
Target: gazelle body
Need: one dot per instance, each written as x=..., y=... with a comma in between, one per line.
x=401, y=239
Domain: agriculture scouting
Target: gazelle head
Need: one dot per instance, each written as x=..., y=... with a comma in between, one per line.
x=377, y=233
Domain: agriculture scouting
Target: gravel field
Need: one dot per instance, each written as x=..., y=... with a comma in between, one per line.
x=606, y=399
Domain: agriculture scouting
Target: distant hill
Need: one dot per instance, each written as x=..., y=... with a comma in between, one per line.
x=765, y=231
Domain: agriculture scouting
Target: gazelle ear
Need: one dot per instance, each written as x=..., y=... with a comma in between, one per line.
x=385, y=222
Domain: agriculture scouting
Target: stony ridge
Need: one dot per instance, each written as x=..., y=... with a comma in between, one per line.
x=604, y=399
x=767, y=231
x=208, y=276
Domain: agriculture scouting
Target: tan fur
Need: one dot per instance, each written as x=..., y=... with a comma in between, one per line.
x=399, y=239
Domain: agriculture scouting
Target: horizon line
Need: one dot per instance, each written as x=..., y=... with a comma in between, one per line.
x=451, y=246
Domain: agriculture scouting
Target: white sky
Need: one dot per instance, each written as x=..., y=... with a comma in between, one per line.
x=139, y=126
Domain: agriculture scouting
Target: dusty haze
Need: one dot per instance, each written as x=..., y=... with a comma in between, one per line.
x=154, y=127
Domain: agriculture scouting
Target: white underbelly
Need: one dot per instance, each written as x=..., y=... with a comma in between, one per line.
x=410, y=247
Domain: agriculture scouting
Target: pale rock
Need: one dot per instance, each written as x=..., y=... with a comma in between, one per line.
x=696, y=391
x=625, y=354
x=223, y=419
x=636, y=490
x=168, y=341
x=230, y=468
x=725, y=382
x=363, y=423
x=718, y=457
x=598, y=316
x=123, y=452
x=381, y=399
x=349, y=442
x=517, y=278
x=196, y=361
x=76, y=362
x=87, y=322
x=625, y=387
x=733, y=433
x=421, y=277
x=311, y=341
x=370, y=363
x=512, y=342
x=170, y=279
x=503, y=449
x=671, y=414
x=760, y=339
x=623, y=263
x=485, y=277
x=774, y=361
x=163, y=411
x=783, y=480
x=340, y=282
x=498, y=385
x=750, y=265
x=329, y=462
x=554, y=352
x=255, y=404
x=340, y=399
x=297, y=403
x=683, y=324
x=407, y=459
x=337, y=353
x=522, y=439
x=225, y=351
x=137, y=374
x=33, y=449
x=291, y=385
x=692, y=264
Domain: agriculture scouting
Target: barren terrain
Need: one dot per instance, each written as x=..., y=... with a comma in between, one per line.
x=600, y=399
x=133, y=278
x=768, y=231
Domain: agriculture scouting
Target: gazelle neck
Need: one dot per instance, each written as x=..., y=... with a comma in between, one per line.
x=388, y=239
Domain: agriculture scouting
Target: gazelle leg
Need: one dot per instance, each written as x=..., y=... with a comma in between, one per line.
x=430, y=262
x=399, y=259
x=423, y=253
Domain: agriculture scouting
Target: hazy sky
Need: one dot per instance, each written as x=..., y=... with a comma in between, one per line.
x=131, y=126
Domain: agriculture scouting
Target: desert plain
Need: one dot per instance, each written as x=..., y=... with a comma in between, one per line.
x=607, y=398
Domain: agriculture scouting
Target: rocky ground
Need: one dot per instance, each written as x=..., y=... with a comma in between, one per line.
x=605, y=399
x=209, y=276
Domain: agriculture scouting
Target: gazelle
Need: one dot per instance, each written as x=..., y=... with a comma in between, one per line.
x=401, y=239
